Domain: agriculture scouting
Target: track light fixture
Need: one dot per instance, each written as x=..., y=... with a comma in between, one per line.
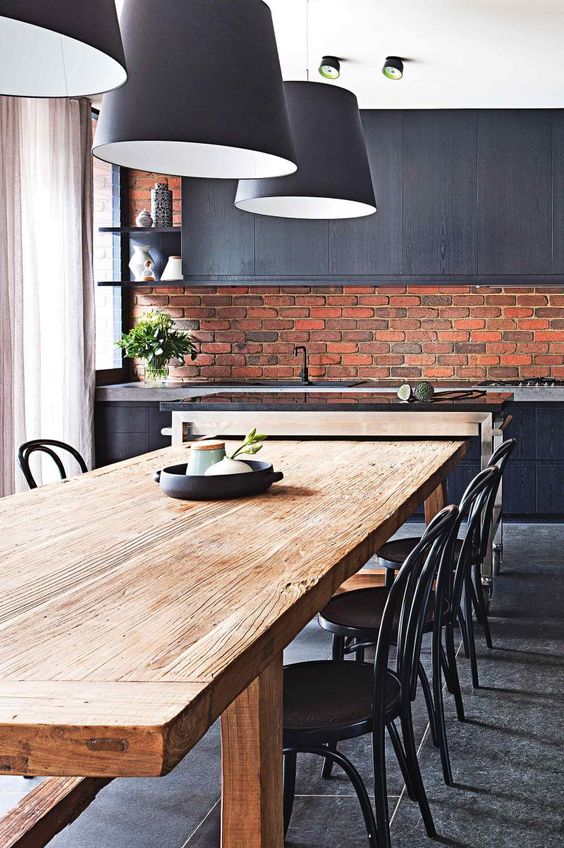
x=393, y=68
x=330, y=67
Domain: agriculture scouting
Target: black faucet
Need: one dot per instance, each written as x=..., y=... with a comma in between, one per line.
x=304, y=373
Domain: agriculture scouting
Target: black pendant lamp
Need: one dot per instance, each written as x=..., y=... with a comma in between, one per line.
x=204, y=96
x=333, y=178
x=60, y=48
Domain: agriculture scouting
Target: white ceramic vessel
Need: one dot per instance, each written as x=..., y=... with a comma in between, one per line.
x=173, y=269
x=137, y=262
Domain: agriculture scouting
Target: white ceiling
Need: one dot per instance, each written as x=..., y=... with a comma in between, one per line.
x=464, y=53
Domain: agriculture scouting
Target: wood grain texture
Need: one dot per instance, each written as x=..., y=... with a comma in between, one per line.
x=251, y=737
x=439, y=192
x=130, y=621
x=373, y=245
x=284, y=246
x=514, y=191
x=217, y=238
x=46, y=810
x=436, y=501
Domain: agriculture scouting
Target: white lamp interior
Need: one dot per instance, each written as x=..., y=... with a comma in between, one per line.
x=305, y=207
x=38, y=62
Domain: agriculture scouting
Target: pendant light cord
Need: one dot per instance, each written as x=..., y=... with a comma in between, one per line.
x=307, y=40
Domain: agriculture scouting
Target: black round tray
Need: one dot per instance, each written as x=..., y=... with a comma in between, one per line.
x=175, y=483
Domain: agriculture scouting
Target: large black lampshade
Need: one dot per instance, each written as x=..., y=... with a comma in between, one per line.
x=60, y=48
x=333, y=178
x=204, y=97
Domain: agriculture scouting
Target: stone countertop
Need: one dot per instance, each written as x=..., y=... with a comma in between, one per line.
x=338, y=401
x=138, y=391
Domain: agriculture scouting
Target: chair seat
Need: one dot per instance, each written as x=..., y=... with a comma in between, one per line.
x=359, y=613
x=393, y=554
x=327, y=700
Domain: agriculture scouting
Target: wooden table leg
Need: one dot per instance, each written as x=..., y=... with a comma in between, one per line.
x=435, y=502
x=251, y=741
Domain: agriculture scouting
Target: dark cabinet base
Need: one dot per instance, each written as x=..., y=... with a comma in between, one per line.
x=124, y=430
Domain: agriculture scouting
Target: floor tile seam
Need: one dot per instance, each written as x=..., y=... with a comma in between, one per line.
x=207, y=815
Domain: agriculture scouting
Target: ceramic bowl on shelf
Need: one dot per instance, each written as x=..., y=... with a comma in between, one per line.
x=175, y=483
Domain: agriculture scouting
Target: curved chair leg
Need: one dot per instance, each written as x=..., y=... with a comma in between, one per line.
x=400, y=755
x=380, y=786
x=470, y=630
x=359, y=655
x=481, y=607
x=338, y=648
x=358, y=785
x=290, y=759
x=463, y=633
x=453, y=668
x=327, y=767
x=446, y=671
x=413, y=764
x=440, y=710
x=337, y=653
x=429, y=702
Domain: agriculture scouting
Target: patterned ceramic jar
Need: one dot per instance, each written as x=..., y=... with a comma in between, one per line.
x=161, y=205
x=144, y=219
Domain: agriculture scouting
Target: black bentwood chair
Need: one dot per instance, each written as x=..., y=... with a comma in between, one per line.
x=354, y=617
x=392, y=554
x=46, y=446
x=328, y=701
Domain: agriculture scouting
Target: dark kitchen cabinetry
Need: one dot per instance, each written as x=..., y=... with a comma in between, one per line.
x=439, y=192
x=290, y=247
x=464, y=196
x=534, y=476
x=217, y=238
x=373, y=245
x=514, y=154
x=123, y=430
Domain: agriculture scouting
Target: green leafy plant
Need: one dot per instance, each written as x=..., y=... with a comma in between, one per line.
x=155, y=339
x=251, y=445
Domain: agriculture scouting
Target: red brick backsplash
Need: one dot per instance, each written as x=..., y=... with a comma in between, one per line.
x=384, y=333
x=140, y=185
x=396, y=333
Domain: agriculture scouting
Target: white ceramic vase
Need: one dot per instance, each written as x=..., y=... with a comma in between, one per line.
x=173, y=269
x=139, y=256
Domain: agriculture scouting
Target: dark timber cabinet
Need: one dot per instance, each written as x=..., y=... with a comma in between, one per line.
x=467, y=196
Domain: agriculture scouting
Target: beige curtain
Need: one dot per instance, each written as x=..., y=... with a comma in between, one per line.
x=46, y=281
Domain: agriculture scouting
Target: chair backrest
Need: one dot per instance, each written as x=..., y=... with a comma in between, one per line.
x=498, y=458
x=406, y=608
x=473, y=506
x=46, y=446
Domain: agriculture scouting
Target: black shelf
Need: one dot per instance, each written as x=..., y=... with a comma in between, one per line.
x=130, y=230
x=134, y=284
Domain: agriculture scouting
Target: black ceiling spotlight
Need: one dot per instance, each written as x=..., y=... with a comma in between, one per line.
x=330, y=67
x=393, y=68
x=60, y=48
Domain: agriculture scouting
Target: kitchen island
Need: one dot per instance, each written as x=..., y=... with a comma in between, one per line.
x=349, y=415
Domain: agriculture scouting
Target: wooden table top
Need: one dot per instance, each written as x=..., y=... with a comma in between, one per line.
x=130, y=621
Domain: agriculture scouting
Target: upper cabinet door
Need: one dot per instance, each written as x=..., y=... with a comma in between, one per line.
x=217, y=238
x=439, y=192
x=290, y=247
x=372, y=245
x=558, y=190
x=514, y=192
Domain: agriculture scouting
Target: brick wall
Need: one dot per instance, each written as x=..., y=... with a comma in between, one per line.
x=398, y=333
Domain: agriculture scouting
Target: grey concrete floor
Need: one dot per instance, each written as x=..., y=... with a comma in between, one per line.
x=506, y=758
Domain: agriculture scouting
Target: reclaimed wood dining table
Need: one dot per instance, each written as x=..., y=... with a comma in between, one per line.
x=129, y=621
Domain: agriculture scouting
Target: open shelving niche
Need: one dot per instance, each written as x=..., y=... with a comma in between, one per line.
x=163, y=242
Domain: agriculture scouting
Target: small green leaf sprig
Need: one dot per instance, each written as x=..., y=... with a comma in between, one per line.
x=251, y=445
